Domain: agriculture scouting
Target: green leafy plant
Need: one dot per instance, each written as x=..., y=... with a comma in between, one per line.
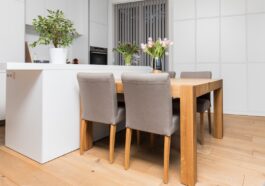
x=127, y=50
x=54, y=29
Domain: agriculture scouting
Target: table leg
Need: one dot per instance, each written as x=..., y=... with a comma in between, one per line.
x=188, y=138
x=218, y=113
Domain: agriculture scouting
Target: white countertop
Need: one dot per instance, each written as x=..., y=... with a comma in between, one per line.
x=39, y=66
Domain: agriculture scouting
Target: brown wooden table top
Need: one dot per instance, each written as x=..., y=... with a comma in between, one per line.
x=202, y=86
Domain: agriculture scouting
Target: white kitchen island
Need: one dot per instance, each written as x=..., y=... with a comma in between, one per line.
x=43, y=107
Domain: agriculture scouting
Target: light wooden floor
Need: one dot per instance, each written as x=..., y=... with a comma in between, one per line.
x=236, y=160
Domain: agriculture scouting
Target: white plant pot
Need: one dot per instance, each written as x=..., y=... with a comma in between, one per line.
x=58, y=55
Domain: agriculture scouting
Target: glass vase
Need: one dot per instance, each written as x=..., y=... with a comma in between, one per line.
x=157, y=64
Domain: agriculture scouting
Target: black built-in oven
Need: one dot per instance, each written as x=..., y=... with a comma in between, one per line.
x=98, y=56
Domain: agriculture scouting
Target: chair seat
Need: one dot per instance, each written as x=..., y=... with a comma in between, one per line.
x=175, y=123
x=120, y=115
x=172, y=128
x=202, y=105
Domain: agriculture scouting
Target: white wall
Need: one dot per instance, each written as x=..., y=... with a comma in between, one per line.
x=228, y=38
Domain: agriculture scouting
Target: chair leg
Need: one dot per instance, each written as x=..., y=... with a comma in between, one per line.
x=167, y=140
x=202, y=128
x=128, y=148
x=112, y=142
x=82, y=135
x=138, y=137
x=152, y=139
x=86, y=136
x=209, y=120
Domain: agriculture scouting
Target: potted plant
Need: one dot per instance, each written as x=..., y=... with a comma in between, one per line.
x=156, y=49
x=127, y=50
x=55, y=29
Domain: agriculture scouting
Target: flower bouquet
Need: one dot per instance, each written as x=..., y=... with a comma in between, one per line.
x=156, y=50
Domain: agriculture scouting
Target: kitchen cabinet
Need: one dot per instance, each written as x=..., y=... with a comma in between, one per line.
x=34, y=8
x=99, y=11
x=99, y=23
x=2, y=95
x=12, y=33
x=12, y=38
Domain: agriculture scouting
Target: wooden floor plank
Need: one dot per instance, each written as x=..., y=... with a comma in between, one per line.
x=237, y=159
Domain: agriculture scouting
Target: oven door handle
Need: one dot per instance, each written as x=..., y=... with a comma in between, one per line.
x=98, y=53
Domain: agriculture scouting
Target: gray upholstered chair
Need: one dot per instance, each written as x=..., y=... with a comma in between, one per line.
x=149, y=109
x=203, y=102
x=99, y=103
x=172, y=74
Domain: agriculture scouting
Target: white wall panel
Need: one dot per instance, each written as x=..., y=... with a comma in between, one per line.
x=233, y=39
x=184, y=42
x=208, y=40
x=232, y=7
x=184, y=9
x=254, y=6
x=235, y=88
x=256, y=88
x=230, y=42
x=256, y=37
x=207, y=8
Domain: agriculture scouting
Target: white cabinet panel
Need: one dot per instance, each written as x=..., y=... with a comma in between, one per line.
x=34, y=8
x=235, y=88
x=232, y=7
x=178, y=68
x=99, y=11
x=77, y=12
x=184, y=9
x=208, y=40
x=256, y=88
x=98, y=35
x=56, y=5
x=254, y=6
x=2, y=95
x=184, y=42
x=233, y=39
x=256, y=38
x=207, y=8
x=12, y=35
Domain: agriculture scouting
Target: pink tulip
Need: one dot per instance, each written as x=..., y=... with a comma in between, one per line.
x=143, y=46
x=164, y=44
x=150, y=45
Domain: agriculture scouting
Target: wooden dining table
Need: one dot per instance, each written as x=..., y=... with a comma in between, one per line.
x=187, y=90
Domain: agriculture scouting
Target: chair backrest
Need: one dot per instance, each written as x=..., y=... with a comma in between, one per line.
x=172, y=74
x=198, y=75
x=98, y=97
x=148, y=102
